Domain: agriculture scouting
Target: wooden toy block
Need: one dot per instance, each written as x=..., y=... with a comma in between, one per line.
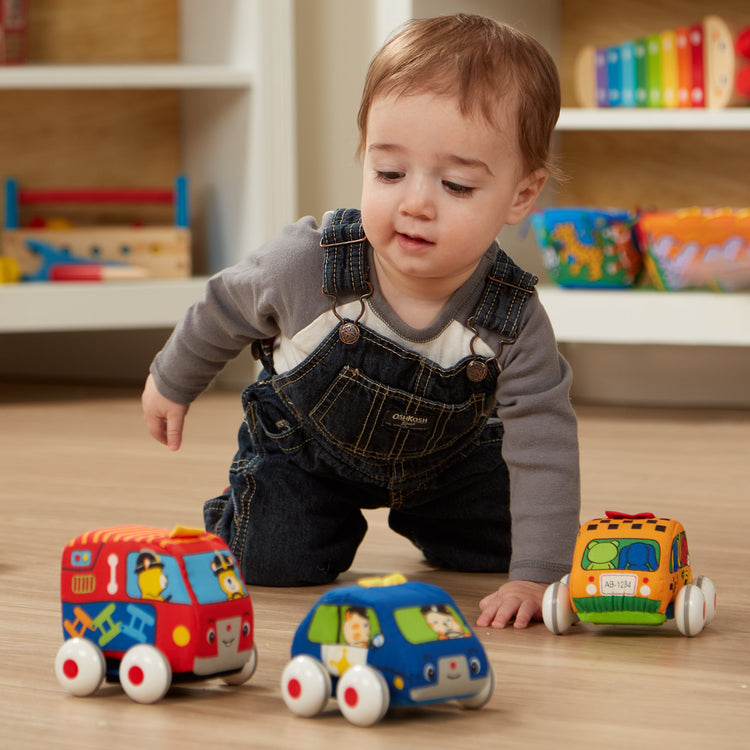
x=163, y=252
x=159, y=251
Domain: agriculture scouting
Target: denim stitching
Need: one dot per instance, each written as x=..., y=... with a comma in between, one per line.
x=502, y=279
x=242, y=504
x=334, y=393
x=375, y=472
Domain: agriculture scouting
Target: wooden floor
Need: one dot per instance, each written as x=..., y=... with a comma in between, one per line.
x=73, y=460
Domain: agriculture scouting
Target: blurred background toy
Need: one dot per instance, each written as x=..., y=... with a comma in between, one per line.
x=60, y=265
x=696, y=248
x=687, y=248
x=588, y=247
x=705, y=64
x=157, y=251
x=10, y=271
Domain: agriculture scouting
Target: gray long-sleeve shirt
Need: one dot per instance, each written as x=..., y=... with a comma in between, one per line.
x=276, y=292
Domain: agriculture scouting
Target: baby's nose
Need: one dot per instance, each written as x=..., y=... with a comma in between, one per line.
x=418, y=200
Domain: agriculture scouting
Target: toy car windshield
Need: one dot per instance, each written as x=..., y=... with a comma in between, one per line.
x=621, y=554
x=435, y=622
x=213, y=578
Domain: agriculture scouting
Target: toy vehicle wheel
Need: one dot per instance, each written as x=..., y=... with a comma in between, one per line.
x=363, y=695
x=80, y=666
x=305, y=686
x=241, y=677
x=557, y=610
x=706, y=585
x=478, y=700
x=145, y=674
x=690, y=610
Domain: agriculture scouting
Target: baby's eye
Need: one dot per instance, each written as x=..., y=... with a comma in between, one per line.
x=461, y=190
x=388, y=176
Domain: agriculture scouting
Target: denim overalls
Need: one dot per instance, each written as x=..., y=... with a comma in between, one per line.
x=364, y=423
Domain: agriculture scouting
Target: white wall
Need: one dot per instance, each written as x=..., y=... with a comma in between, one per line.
x=335, y=41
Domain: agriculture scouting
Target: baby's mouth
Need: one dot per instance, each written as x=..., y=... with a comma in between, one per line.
x=412, y=241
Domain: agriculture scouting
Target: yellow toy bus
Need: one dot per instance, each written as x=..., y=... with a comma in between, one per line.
x=632, y=570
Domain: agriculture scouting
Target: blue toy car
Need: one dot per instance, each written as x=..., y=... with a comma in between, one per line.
x=382, y=642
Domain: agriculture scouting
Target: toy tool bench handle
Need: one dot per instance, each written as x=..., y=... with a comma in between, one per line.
x=177, y=195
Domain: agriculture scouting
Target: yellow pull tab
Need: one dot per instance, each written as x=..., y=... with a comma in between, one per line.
x=182, y=532
x=394, y=579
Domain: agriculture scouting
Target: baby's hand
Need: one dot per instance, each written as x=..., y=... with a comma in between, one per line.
x=164, y=418
x=519, y=599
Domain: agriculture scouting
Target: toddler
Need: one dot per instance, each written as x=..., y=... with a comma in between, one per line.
x=408, y=363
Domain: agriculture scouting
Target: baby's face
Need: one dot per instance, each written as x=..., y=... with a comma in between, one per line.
x=437, y=188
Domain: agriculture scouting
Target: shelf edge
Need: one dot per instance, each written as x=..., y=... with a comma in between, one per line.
x=573, y=118
x=645, y=317
x=147, y=76
x=48, y=307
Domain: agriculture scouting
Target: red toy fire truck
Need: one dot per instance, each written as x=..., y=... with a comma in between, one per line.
x=149, y=606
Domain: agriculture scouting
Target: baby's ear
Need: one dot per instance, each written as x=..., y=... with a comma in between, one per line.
x=527, y=192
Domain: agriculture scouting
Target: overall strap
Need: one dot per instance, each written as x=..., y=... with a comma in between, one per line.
x=345, y=262
x=345, y=270
x=507, y=289
x=506, y=292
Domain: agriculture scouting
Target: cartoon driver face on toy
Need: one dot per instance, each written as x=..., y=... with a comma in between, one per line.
x=356, y=630
x=151, y=579
x=443, y=622
x=223, y=568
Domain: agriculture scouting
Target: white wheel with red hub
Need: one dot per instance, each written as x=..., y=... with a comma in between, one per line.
x=145, y=674
x=363, y=695
x=305, y=686
x=80, y=666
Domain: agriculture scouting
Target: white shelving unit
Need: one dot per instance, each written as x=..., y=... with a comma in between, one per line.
x=235, y=76
x=238, y=121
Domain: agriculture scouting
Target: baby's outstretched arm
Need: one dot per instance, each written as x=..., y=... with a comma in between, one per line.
x=521, y=600
x=164, y=418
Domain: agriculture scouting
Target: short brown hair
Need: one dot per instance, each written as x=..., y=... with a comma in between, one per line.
x=480, y=61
